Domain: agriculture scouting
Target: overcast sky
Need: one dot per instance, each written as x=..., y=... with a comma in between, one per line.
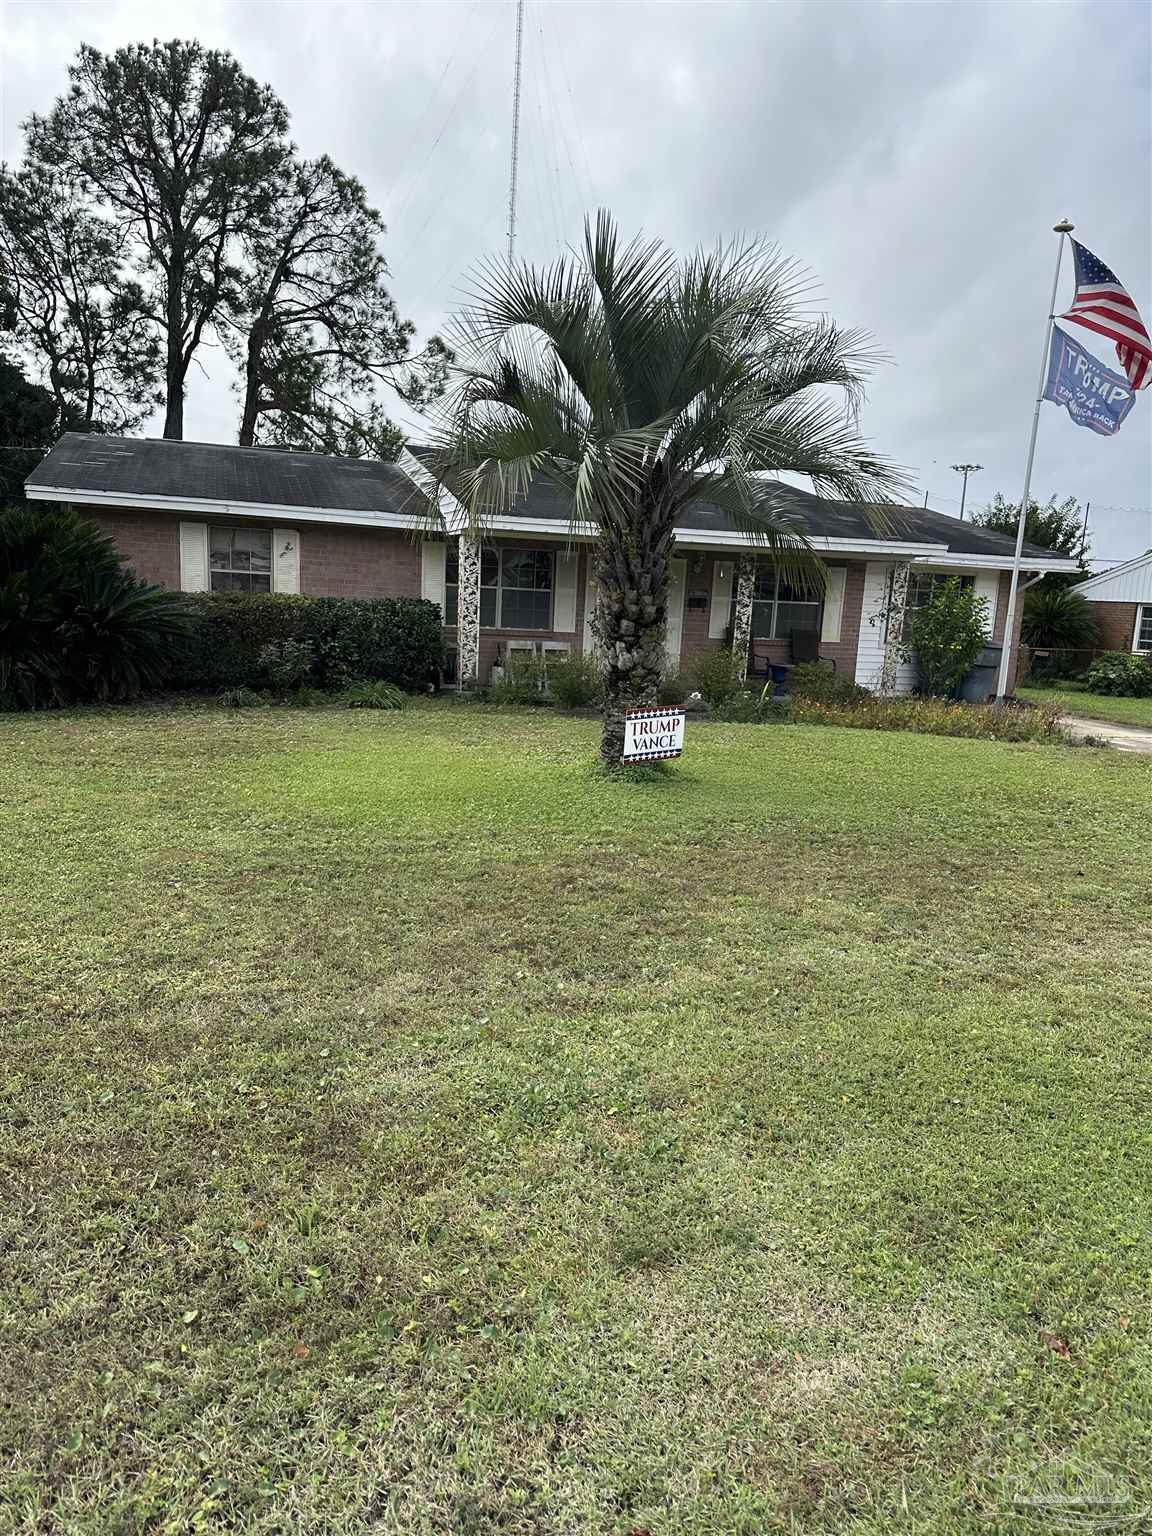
x=914, y=156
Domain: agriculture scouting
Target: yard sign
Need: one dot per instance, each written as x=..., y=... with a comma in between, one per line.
x=650, y=734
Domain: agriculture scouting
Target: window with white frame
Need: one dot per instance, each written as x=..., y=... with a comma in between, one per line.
x=515, y=588
x=240, y=559
x=923, y=586
x=1144, y=628
x=779, y=609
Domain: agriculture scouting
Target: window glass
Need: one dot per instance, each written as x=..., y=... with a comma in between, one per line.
x=515, y=588
x=240, y=559
x=778, y=608
x=1144, y=632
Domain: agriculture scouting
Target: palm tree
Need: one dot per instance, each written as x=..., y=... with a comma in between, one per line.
x=639, y=383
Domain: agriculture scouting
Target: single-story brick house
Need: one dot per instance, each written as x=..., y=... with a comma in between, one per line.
x=212, y=517
x=1122, y=600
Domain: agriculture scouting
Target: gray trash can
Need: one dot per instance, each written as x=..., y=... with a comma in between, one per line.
x=980, y=684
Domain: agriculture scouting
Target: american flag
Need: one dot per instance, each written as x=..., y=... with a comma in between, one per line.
x=1102, y=304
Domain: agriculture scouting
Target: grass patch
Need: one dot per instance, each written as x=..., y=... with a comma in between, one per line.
x=1070, y=700
x=406, y=1129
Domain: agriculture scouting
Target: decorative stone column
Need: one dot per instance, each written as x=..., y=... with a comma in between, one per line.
x=742, y=620
x=894, y=634
x=468, y=614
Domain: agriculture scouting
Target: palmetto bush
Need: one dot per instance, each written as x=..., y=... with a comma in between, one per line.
x=638, y=382
x=75, y=625
x=1059, y=619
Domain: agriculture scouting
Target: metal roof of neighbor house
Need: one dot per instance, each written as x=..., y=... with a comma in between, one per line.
x=142, y=467
x=1130, y=582
x=172, y=473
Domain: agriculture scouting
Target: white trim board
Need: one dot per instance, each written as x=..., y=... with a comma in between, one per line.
x=701, y=540
x=205, y=505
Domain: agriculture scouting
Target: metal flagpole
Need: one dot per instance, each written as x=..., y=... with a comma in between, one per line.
x=1063, y=228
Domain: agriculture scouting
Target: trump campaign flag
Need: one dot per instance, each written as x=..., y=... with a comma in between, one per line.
x=1103, y=304
x=1096, y=396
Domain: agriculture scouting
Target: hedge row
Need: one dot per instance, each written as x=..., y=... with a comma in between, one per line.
x=397, y=639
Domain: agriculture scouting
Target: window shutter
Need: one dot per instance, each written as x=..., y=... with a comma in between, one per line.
x=720, y=612
x=988, y=586
x=833, y=603
x=674, y=632
x=194, y=557
x=588, y=645
x=285, y=560
x=564, y=598
x=433, y=554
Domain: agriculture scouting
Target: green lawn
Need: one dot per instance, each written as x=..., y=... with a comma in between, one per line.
x=407, y=1132
x=1093, y=706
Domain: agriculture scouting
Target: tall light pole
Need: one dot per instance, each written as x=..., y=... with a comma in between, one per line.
x=965, y=470
x=515, y=166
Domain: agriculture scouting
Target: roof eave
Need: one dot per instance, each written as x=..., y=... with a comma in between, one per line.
x=205, y=505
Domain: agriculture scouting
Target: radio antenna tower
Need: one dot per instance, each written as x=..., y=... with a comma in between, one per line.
x=515, y=132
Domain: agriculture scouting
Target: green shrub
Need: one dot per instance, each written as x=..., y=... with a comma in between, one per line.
x=753, y=706
x=716, y=674
x=372, y=694
x=1116, y=672
x=395, y=639
x=75, y=625
x=1058, y=618
x=525, y=681
x=287, y=664
x=674, y=689
x=816, y=680
x=946, y=635
x=307, y=697
x=935, y=717
x=574, y=681
x=242, y=698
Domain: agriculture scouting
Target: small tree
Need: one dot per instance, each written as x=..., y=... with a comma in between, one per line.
x=639, y=383
x=1058, y=526
x=945, y=636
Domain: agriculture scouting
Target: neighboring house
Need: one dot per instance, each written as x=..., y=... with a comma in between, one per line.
x=1122, y=599
x=210, y=517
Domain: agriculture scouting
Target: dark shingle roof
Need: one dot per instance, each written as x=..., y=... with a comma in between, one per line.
x=824, y=518
x=147, y=466
x=221, y=472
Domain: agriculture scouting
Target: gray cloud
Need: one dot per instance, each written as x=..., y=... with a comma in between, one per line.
x=914, y=156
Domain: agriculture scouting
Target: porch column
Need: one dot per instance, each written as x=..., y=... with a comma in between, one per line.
x=742, y=620
x=468, y=613
x=897, y=609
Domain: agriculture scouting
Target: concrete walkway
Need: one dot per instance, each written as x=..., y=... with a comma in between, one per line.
x=1126, y=738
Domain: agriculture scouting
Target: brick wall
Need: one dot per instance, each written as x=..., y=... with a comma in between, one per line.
x=340, y=561
x=1117, y=625
x=842, y=651
x=148, y=541
x=335, y=560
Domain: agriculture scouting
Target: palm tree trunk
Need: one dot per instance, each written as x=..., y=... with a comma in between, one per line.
x=631, y=614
